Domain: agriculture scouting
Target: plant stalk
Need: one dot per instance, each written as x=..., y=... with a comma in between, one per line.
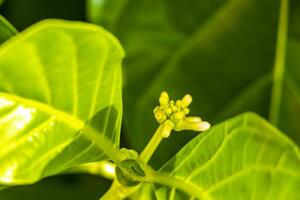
x=163, y=129
x=103, y=168
x=279, y=66
x=118, y=191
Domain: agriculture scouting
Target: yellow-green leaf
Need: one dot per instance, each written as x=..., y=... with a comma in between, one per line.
x=242, y=158
x=56, y=77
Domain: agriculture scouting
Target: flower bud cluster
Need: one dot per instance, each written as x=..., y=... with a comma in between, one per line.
x=174, y=113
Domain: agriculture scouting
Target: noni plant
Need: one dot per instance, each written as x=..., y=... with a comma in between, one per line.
x=69, y=90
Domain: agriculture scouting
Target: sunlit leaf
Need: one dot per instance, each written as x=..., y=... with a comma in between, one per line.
x=55, y=77
x=242, y=158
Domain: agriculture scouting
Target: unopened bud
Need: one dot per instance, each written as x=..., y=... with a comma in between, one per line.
x=164, y=99
x=186, y=111
x=194, y=119
x=167, y=128
x=178, y=103
x=177, y=116
x=160, y=115
x=186, y=100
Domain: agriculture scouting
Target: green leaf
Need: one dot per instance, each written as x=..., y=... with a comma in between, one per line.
x=145, y=192
x=242, y=158
x=215, y=50
x=6, y=29
x=56, y=77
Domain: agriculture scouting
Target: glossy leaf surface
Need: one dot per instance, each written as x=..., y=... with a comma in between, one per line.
x=57, y=78
x=242, y=158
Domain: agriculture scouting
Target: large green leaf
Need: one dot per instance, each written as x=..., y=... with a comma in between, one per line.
x=55, y=77
x=6, y=29
x=220, y=51
x=242, y=158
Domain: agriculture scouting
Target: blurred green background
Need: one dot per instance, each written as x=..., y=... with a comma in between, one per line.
x=221, y=51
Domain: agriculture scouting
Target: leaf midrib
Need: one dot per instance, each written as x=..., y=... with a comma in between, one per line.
x=227, y=136
x=188, y=187
x=63, y=116
x=100, y=140
x=50, y=154
x=250, y=169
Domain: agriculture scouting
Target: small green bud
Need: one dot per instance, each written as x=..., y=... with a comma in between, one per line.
x=164, y=99
x=194, y=126
x=174, y=114
x=159, y=115
x=186, y=100
x=128, y=154
x=167, y=128
x=194, y=119
x=165, y=95
x=172, y=105
x=177, y=116
x=178, y=104
x=204, y=126
x=169, y=111
x=186, y=111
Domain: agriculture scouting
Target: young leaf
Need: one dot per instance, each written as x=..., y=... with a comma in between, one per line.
x=56, y=77
x=6, y=29
x=242, y=158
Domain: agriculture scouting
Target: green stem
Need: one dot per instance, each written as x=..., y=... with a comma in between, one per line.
x=112, y=193
x=163, y=129
x=102, y=143
x=189, y=188
x=103, y=168
x=100, y=140
x=118, y=191
x=279, y=62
